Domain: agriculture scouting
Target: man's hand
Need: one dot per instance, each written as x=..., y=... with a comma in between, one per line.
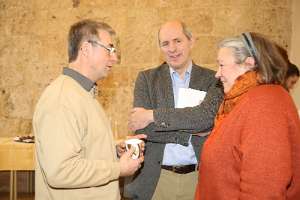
x=121, y=148
x=128, y=165
x=140, y=118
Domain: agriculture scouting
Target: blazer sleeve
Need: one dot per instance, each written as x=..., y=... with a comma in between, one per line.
x=192, y=119
x=177, y=137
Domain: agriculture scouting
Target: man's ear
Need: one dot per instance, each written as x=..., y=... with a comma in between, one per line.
x=250, y=63
x=85, y=48
x=193, y=41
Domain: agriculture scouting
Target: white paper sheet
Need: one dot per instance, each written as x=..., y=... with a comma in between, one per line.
x=188, y=97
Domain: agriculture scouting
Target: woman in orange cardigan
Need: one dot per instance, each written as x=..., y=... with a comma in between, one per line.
x=253, y=151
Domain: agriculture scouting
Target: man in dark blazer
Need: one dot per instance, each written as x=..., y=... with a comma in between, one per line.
x=173, y=145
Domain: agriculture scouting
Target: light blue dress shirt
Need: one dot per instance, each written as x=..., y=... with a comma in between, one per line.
x=176, y=154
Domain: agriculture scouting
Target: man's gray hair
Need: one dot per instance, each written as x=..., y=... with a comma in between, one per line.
x=83, y=31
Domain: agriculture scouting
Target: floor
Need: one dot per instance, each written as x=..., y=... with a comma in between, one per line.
x=21, y=196
x=23, y=191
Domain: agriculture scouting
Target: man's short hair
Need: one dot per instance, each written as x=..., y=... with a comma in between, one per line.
x=83, y=31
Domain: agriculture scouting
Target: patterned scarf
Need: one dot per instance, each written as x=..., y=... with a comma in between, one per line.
x=242, y=84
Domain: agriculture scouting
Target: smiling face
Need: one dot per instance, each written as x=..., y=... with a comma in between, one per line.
x=175, y=45
x=228, y=70
x=100, y=59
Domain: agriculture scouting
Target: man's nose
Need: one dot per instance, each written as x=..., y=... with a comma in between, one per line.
x=114, y=58
x=172, y=47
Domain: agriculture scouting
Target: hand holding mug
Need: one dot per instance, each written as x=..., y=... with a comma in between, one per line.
x=128, y=165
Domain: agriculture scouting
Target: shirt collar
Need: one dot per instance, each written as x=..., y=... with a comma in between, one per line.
x=188, y=70
x=86, y=83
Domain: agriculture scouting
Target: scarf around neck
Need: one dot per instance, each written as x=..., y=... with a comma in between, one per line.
x=242, y=84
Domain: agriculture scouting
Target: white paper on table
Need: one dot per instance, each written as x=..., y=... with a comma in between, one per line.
x=188, y=97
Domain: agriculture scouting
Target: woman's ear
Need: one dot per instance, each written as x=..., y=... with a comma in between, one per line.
x=250, y=63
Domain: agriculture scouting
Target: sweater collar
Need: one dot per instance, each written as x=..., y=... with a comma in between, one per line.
x=86, y=83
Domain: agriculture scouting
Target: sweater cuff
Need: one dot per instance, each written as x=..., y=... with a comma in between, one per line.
x=116, y=170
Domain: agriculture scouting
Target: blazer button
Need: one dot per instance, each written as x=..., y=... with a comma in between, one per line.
x=163, y=124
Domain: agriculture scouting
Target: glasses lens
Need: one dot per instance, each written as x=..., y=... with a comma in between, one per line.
x=112, y=50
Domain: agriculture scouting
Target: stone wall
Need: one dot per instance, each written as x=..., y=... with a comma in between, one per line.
x=295, y=48
x=33, y=46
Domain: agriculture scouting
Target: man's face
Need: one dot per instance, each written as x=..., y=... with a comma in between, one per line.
x=175, y=46
x=101, y=60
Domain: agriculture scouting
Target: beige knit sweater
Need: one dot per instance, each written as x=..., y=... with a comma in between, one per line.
x=76, y=156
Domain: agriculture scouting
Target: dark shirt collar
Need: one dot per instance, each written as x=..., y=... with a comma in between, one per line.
x=86, y=83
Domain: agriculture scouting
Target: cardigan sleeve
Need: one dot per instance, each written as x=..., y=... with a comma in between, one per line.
x=265, y=151
x=61, y=156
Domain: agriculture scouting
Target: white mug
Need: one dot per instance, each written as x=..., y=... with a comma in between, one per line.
x=136, y=144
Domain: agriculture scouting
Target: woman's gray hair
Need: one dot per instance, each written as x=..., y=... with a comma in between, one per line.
x=240, y=51
x=269, y=63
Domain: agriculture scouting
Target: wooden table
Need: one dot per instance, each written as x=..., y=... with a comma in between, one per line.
x=15, y=156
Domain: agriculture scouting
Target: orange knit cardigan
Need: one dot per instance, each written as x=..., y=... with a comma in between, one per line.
x=253, y=151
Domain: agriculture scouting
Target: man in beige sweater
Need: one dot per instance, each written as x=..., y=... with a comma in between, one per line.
x=76, y=157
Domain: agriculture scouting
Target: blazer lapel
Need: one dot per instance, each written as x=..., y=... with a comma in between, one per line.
x=195, y=81
x=166, y=87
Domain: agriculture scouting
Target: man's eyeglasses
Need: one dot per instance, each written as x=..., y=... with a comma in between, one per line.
x=111, y=50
